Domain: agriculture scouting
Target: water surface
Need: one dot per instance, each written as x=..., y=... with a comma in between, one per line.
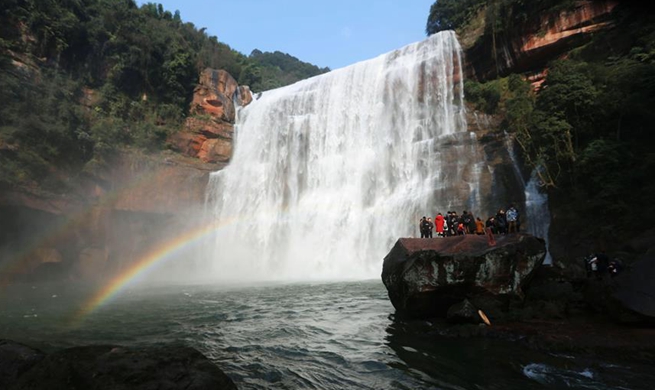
x=311, y=336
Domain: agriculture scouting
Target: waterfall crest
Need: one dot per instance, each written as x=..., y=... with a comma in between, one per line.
x=329, y=172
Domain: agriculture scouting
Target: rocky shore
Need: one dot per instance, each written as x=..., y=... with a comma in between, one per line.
x=108, y=367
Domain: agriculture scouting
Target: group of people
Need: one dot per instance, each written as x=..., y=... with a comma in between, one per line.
x=452, y=224
x=600, y=265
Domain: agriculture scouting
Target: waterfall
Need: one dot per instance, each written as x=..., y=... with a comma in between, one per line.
x=329, y=172
x=536, y=202
x=538, y=213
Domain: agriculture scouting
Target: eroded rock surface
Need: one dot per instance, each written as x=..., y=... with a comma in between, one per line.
x=208, y=132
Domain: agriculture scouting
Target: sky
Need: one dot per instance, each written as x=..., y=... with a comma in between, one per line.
x=333, y=33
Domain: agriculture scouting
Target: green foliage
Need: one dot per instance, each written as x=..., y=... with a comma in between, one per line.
x=590, y=127
x=484, y=96
x=451, y=14
x=273, y=70
x=142, y=62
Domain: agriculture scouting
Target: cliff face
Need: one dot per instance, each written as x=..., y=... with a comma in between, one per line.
x=527, y=47
x=208, y=134
x=110, y=217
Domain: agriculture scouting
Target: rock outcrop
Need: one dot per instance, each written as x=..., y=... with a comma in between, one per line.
x=627, y=298
x=109, y=367
x=208, y=133
x=527, y=47
x=424, y=277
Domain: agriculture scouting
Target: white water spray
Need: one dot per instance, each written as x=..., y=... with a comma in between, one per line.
x=536, y=208
x=536, y=201
x=329, y=172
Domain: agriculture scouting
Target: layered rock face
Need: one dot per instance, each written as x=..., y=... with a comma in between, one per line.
x=208, y=133
x=424, y=277
x=107, y=220
x=531, y=44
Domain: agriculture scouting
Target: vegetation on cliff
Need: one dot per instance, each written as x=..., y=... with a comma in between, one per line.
x=80, y=78
x=589, y=125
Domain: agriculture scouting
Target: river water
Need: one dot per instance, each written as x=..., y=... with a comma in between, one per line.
x=339, y=335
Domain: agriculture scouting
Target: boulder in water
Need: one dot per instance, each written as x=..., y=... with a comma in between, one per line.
x=424, y=277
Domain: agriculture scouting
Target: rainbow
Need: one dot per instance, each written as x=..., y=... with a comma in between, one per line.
x=145, y=264
x=69, y=221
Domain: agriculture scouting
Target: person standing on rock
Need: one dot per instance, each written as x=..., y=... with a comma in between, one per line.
x=430, y=227
x=491, y=223
x=479, y=226
x=501, y=222
x=439, y=224
x=421, y=227
x=511, y=215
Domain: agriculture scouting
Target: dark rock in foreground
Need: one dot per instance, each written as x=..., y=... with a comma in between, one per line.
x=15, y=360
x=109, y=367
x=424, y=277
x=628, y=298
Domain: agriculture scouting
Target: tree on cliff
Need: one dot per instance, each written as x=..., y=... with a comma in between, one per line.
x=588, y=126
x=96, y=75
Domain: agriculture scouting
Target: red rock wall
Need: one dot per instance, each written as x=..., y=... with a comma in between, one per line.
x=208, y=131
x=528, y=47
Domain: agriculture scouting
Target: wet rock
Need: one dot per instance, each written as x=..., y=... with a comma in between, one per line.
x=635, y=289
x=463, y=312
x=424, y=277
x=112, y=367
x=15, y=359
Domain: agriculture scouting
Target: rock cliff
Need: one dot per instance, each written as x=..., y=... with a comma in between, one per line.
x=112, y=214
x=208, y=133
x=528, y=46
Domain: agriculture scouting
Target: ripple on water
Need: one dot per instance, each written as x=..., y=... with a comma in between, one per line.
x=309, y=336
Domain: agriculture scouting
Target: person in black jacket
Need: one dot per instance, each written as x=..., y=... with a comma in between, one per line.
x=421, y=227
x=430, y=228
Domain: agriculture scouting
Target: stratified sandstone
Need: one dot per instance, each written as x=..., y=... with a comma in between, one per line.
x=532, y=43
x=208, y=132
x=424, y=277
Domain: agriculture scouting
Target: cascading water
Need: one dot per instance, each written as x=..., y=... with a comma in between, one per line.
x=536, y=202
x=329, y=172
x=536, y=207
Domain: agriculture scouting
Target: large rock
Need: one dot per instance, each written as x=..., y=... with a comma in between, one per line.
x=424, y=277
x=111, y=367
x=627, y=298
x=15, y=360
x=208, y=132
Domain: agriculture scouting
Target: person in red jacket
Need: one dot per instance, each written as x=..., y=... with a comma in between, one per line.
x=439, y=222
